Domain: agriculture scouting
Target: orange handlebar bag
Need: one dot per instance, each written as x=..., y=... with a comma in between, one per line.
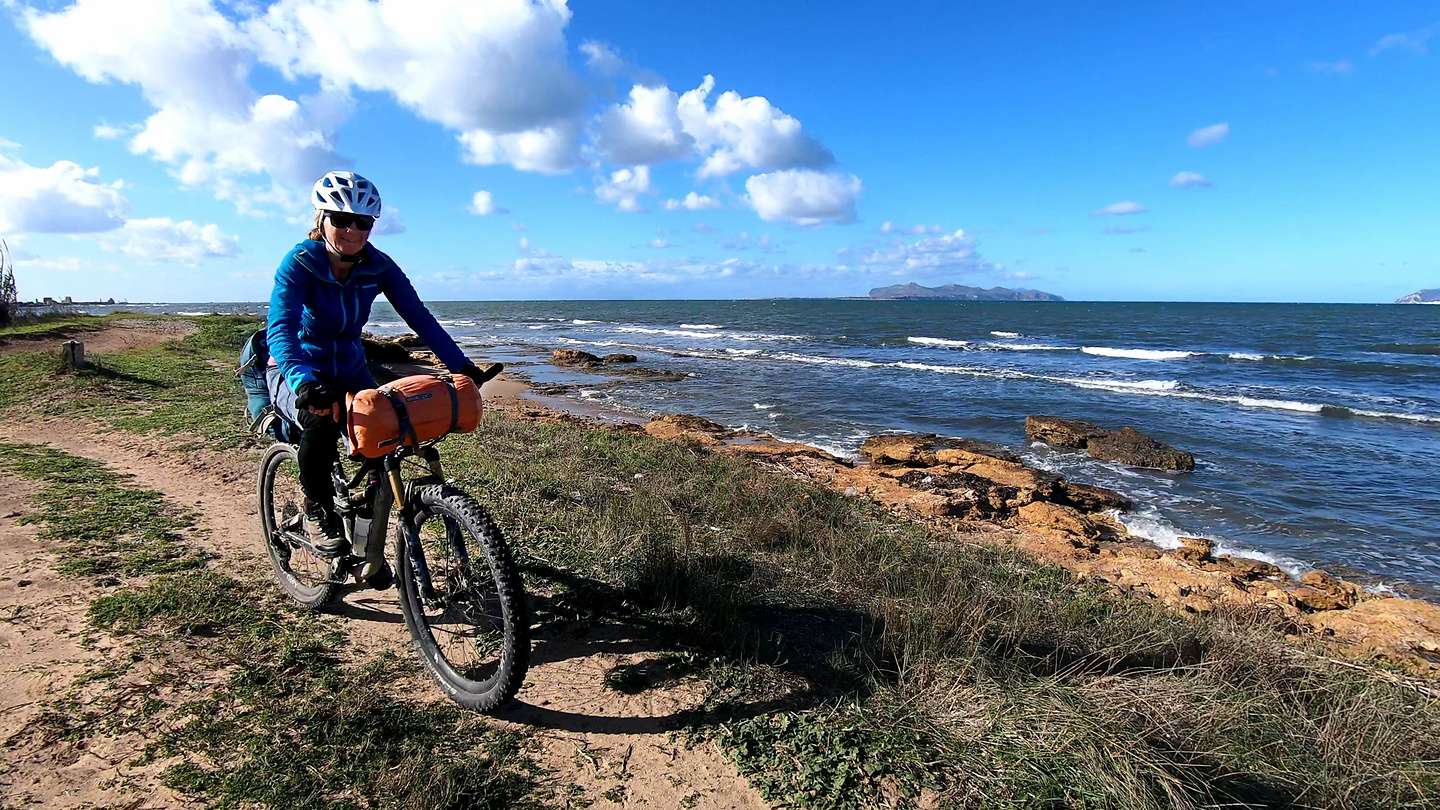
x=409, y=411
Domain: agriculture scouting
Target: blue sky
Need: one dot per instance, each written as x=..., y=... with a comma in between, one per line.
x=1275, y=151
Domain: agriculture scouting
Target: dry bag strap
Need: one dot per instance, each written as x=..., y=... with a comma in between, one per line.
x=454, y=402
x=403, y=414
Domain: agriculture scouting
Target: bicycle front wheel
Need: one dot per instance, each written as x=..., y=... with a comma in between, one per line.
x=470, y=626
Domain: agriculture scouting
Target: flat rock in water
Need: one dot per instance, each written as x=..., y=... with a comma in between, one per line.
x=619, y=358
x=686, y=427
x=927, y=449
x=1130, y=446
x=1070, y=434
x=573, y=357
x=1088, y=498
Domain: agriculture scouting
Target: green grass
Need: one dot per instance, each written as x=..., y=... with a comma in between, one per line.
x=97, y=523
x=258, y=705
x=1023, y=687
x=180, y=387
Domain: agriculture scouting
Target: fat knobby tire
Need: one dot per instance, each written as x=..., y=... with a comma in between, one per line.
x=310, y=597
x=489, y=555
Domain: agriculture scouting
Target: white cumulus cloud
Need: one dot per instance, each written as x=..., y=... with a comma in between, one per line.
x=1190, y=180
x=803, y=197
x=191, y=64
x=483, y=205
x=1119, y=209
x=161, y=239
x=624, y=188
x=646, y=129
x=61, y=198
x=946, y=255
x=1208, y=136
x=737, y=133
x=496, y=72
x=693, y=202
x=655, y=124
x=602, y=58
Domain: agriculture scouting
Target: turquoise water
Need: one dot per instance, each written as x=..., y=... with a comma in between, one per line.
x=1316, y=428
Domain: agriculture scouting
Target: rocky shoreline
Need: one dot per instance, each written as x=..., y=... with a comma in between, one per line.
x=984, y=493
x=977, y=492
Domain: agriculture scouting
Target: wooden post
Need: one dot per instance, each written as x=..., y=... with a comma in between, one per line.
x=73, y=353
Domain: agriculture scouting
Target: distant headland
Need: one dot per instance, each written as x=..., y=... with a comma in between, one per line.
x=957, y=292
x=1422, y=297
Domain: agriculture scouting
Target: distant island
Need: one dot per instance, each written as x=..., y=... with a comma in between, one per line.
x=1422, y=297
x=957, y=292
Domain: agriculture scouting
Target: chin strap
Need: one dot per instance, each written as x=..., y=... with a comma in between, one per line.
x=350, y=258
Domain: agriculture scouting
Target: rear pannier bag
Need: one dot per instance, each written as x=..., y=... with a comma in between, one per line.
x=409, y=411
x=254, y=355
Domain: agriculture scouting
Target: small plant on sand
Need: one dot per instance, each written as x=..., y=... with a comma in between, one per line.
x=8, y=296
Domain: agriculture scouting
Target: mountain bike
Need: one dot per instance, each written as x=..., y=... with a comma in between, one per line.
x=460, y=592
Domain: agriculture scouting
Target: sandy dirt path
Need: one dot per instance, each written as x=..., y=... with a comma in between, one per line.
x=118, y=336
x=597, y=745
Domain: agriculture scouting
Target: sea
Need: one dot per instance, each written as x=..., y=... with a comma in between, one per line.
x=1315, y=428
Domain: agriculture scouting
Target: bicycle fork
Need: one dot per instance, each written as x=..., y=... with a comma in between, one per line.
x=418, y=564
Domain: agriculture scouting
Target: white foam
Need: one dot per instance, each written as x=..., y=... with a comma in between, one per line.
x=701, y=326
x=668, y=332
x=1245, y=356
x=826, y=361
x=579, y=322
x=929, y=341
x=1412, y=417
x=1121, y=386
x=760, y=406
x=1006, y=334
x=1278, y=404
x=1138, y=354
x=1033, y=347
x=1151, y=525
x=743, y=352
x=542, y=326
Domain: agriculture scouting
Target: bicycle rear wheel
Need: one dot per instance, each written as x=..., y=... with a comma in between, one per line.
x=472, y=632
x=302, y=575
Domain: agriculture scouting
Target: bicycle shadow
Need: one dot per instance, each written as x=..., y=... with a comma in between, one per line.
x=601, y=664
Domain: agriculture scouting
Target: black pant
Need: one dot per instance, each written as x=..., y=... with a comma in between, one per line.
x=317, y=457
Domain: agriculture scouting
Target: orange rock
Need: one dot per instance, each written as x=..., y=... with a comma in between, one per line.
x=1057, y=518
x=683, y=427
x=1316, y=599
x=1194, y=549
x=1249, y=569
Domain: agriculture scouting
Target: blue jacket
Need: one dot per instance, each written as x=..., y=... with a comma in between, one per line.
x=315, y=321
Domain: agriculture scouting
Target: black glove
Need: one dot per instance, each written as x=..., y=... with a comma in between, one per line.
x=481, y=377
x=312, y=394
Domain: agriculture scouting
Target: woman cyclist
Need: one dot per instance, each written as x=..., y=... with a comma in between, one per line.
x=322, y=297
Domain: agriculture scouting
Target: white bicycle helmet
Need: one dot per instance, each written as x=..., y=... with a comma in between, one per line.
x=346, y=193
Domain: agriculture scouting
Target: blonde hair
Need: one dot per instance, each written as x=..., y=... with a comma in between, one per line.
x=315, y=232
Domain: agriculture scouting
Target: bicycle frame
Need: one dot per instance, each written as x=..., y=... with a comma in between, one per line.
x=375, y=527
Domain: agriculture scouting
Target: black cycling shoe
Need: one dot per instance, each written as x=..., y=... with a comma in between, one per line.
x=323, y=528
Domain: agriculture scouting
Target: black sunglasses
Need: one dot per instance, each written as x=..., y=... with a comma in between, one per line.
x=359, y=221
